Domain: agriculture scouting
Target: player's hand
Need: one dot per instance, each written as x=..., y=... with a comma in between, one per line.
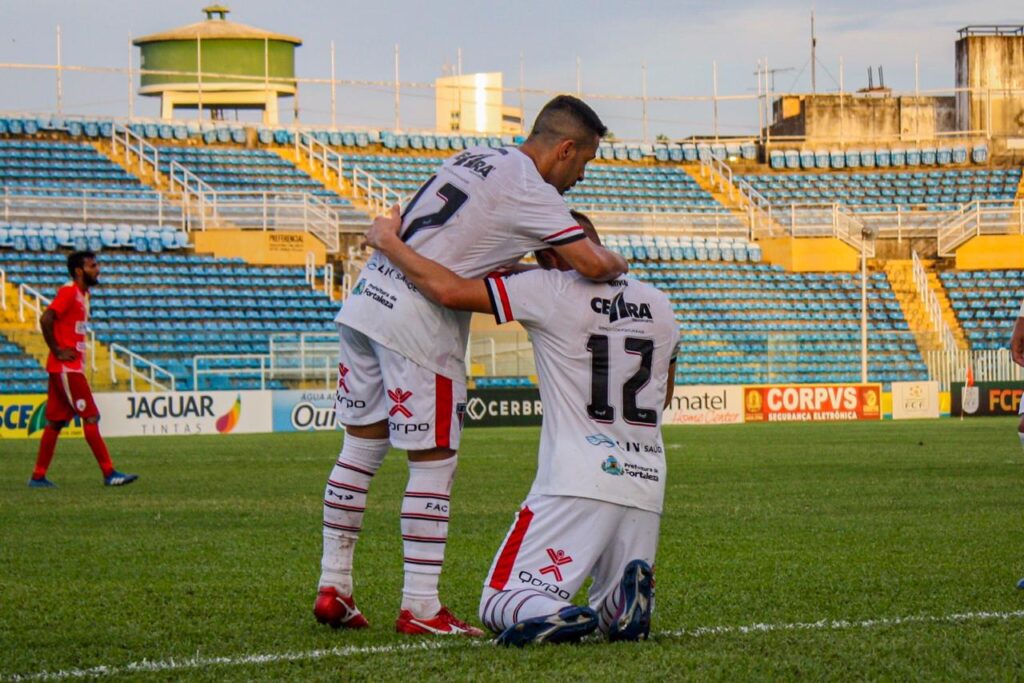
x=384, y=229
x=66, y=355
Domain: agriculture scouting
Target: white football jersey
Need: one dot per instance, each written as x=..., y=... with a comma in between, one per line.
x=485, y=208
x=602, y=352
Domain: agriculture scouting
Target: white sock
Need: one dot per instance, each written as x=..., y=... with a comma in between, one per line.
x=501, y=609
x=344, y=504
x=425, y=510
x=1020, y=435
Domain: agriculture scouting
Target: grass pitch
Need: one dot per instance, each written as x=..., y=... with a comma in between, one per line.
x=207, y=567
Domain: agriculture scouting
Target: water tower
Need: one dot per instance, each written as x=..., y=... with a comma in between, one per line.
x=218, y=64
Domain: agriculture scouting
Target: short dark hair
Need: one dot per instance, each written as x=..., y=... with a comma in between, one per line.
x=588, y=225
x=77, y=259
x=568, y=117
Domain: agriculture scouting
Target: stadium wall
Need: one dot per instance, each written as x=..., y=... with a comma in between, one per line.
x=810, y=254
x=261, y=248
x=864, y=118
x=987, y=252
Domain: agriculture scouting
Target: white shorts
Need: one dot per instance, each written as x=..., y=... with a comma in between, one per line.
x=424, y=410
x=556, y=542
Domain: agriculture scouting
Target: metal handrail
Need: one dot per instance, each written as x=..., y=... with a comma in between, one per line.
x=135, y=360
x=931, y=303
x=24, y=291
x=378, y=194
x=319, y=153
x=198, y=196
x=93, y=205
x=132, y=142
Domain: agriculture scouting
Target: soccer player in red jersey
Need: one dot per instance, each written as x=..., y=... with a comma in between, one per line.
x=64, y=325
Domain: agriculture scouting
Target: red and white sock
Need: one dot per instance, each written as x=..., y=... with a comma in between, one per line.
x=425, y=510
x=344, y=505
x=501, y=609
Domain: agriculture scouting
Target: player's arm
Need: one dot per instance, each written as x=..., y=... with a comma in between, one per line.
x=46, y=322
x=670, y=385
x=593, y=261
x=1017, y=339
x=434, y=281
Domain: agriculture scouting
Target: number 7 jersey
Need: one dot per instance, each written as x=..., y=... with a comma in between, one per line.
x=485, y=208
x=602, y=352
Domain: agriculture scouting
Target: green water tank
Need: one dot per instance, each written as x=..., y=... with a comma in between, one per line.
x=237, y=63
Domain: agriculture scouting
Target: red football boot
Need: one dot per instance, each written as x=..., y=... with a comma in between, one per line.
x=337, y=610
x=444, y=623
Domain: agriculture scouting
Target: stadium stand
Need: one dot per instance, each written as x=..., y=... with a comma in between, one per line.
x=606, y=187
x=745, y=322
x=46, y=168
x=171, y=307
x=235, y=170
x=50, y=236
x=21, y=373
x=986, y=304
x=931, y=190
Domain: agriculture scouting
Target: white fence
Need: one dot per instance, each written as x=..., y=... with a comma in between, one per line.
x=947, y=367
x=139, y=368
x=310, y=357
x=17, y=205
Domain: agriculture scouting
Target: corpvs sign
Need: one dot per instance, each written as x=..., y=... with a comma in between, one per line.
x=812, y=403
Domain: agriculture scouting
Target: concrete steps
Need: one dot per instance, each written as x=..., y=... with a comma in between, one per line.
x=935, y=284
x=900, y=273
x=722, y=197
x=153, y=178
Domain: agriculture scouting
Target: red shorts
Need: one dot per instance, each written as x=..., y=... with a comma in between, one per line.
x=69, y=395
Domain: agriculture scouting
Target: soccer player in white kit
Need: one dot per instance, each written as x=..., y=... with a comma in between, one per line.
x=1017, y=353
x=401, y=372
x=605, y=357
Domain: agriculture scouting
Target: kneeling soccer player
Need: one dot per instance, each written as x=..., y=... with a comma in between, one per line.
x=605, y=356
x=63, y=325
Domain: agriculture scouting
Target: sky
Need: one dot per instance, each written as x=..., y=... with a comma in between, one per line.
x=681, y=42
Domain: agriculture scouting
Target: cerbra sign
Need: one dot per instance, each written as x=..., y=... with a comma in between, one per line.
x=503, y=407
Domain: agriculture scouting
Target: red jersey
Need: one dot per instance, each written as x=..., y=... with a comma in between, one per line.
x=71, y=307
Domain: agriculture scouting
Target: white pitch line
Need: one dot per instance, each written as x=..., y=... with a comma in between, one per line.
x=146, y=666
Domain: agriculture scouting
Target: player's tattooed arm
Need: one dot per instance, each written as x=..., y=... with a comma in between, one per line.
x=1017, y=342
x=593, y=261
x=434, y=281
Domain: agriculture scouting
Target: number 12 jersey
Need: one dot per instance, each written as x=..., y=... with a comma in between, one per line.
x=602, y=352
x=485, y=208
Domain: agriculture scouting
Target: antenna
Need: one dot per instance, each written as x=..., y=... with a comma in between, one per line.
x=814, y=60
x=871, y=79
x=881, y=77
